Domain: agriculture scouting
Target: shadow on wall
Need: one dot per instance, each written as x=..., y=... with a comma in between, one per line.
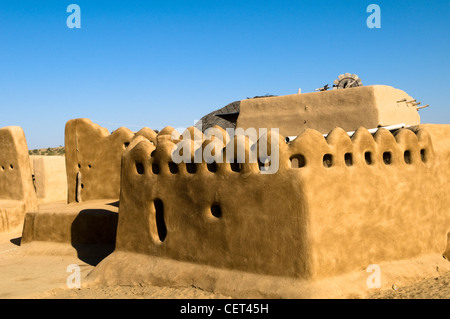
x=93, y=234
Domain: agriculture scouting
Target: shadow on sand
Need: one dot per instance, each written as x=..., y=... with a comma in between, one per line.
x=93, y=234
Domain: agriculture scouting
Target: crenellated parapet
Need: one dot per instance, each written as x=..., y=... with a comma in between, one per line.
x=363, y=149
x=309, y=150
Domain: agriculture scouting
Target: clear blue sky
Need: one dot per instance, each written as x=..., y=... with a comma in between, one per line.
x=159, y=63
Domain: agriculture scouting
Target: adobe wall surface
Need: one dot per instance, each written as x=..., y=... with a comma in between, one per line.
x=11, y=214
x=224, y=219
x=50, y=179
x=349, y=109
x=93, y=158
x=395, y=207
x=92, y=222
x=342, y=203
x=17, y=193
x=89, y=178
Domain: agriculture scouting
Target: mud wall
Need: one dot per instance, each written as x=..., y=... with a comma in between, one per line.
x=50, y=179
x=367, y=106
x=373, y=198
x=17, y=193
x=334, y=205
x=214, y=216
x=93, y=158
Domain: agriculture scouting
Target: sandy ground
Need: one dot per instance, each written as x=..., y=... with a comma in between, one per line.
x=26, y=275
x=35, y=276
x=437, y=287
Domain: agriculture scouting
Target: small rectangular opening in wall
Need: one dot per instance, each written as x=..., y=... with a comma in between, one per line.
x=298, y=161
x=173, y=168
x=236, y=167
x=155, y=168
x=191, y=168
x=264, y=164
x=423, y=155
x=327, y=160
x=368, y=158
x=387, y=158
x=348, y=158
x=140, y=168
x=212, y=167
x=407, y=157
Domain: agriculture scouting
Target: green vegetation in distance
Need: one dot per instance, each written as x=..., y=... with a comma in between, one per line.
x=51, y=151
